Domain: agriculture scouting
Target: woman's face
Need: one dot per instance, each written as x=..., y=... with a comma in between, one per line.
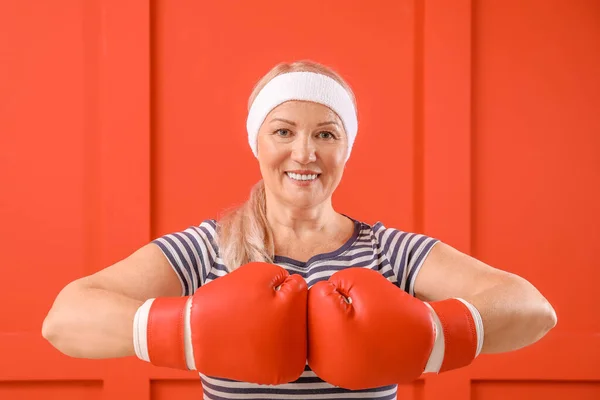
x=302, y=151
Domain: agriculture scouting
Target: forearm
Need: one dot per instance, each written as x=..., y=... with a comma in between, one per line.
x=514, y=315
x=88, y=322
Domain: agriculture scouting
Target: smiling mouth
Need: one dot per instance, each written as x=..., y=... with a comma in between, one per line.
x=302, y=177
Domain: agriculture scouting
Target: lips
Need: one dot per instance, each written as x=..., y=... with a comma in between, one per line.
x=302, y=180
x=304, y=172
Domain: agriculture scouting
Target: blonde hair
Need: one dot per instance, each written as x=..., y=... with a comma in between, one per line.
x=243, y=233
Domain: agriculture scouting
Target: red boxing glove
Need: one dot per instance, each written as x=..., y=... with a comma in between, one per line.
x=248, y=325
x=365, y=332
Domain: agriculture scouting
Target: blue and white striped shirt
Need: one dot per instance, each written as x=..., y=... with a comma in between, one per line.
x=397, y=255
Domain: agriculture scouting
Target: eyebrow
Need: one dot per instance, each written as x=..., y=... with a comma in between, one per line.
x=294, y=124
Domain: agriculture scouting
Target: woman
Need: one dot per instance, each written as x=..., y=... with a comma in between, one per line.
x=301, y=127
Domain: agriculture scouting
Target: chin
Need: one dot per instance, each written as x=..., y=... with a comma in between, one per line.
x=303, y=202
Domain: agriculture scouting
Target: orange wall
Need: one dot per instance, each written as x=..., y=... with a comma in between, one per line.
x=478, y=124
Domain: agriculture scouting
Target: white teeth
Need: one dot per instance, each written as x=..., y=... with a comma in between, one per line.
x=299, y=177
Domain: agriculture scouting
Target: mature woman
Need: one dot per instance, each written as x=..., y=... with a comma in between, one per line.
x=310, y=303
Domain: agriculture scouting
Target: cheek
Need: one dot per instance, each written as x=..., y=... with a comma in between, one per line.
x=269, y=156
x=336, y=159
x=337, y=151
x=265, y=150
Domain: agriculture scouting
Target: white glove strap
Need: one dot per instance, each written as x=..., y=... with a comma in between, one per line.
x=140, y=324
x=187, y=336
x=437, y=354
x=478, y=324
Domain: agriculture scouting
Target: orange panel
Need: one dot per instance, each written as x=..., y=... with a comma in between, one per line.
x=446, y=118
x=536, y=159
x=411, y=392
x=536, y=149
x=534, y=390
x=42, y=108
x=74, y=173
x=51, y=390
x=208, y=55
x=175, y=389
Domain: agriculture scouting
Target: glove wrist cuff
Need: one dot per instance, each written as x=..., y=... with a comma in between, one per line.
x=459, y=334
x=478, y=324
x=162, y=333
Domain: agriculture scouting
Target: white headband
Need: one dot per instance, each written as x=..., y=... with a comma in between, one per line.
x=308, y=86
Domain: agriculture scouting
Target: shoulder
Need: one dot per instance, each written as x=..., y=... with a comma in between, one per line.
x=394, y=240
x=405, y=250
x=191, y=252
x=203, y=234
x=381, y=232
x=374, y=231
x=207, y=229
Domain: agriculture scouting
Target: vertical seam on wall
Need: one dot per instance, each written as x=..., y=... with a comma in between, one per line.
x=91, y=31
x=152, y=115
x=472, y=132
x=418, y=118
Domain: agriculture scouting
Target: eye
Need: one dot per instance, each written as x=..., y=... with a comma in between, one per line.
x=282, y=132
x=326, y=135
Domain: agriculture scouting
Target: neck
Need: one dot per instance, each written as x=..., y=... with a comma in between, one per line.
x=298, y=222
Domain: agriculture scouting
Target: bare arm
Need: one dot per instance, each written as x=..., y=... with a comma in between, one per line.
x=514, y=312
x=92, y=317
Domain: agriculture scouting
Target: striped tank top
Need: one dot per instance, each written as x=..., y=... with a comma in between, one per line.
x=395, y=254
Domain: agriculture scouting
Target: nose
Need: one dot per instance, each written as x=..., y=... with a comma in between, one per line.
x=304, y=150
